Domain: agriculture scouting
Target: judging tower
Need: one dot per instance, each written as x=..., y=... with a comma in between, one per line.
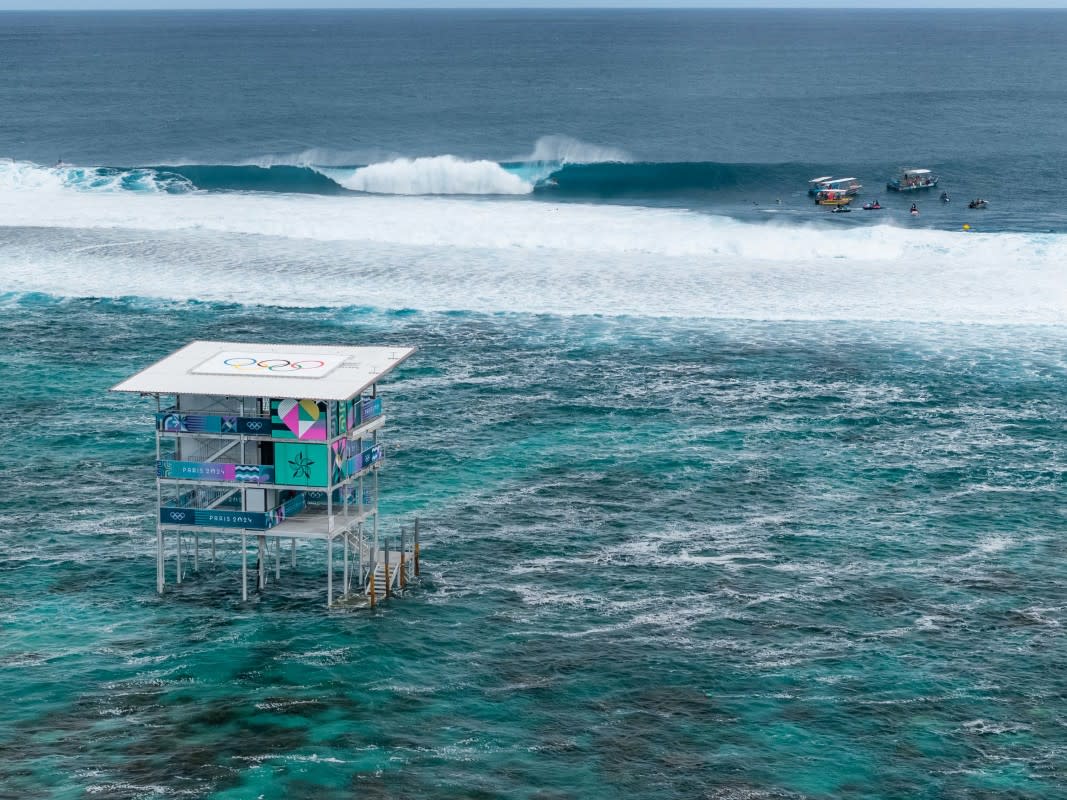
x=279, y=443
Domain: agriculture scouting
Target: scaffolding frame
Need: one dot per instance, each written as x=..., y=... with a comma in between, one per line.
x=241, y=412
x=365, y=555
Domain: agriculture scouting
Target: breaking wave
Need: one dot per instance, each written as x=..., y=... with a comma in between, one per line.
x=555, y=169
x=16, y=175
x=434, y=175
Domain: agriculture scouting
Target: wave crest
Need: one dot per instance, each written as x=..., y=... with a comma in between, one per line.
x=24, y=175
x=565, y=150
x=432, y=175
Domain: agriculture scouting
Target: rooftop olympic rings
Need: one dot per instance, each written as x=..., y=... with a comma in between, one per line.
x=272, y=364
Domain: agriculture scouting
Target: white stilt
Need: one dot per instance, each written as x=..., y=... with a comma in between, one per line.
x=244, y=566
x=178, y=559
x=161, y=576
x=347, y=579
x=329, y=572
x=388, y=575
x=262, y=564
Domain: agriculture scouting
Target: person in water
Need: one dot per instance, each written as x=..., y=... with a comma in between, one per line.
x=914, y=209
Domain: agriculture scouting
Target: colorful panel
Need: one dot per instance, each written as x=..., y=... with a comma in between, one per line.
x=372, y=455
x=222, y=518
x=297, y=464
x=343, y=417
x=188, y=423
x=369, y=408
x=214, y=517
x=342, y=450
x=205, y=471
x=174, y=422
x=298, y=419
x=253, y=426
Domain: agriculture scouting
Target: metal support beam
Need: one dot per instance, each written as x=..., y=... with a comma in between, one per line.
x=161, y=576
x=362, y=570
x=347, y=575
x=244, y=566
x=262, y=563
x=388, y=578
x=329, y=572
x=416, y=547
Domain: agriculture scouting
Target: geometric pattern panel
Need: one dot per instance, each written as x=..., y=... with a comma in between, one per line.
x=298, y=419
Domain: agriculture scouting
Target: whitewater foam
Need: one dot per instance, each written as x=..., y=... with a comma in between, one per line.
x=24, y=176
x=446, y=175
x=498, y=255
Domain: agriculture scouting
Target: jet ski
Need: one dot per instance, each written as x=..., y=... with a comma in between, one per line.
x=875, y=206
x=944, y=197
x=914, y=210
x=977, y=204
x=840, y=210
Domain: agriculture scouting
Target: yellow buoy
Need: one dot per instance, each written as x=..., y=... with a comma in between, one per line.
x=966, y=227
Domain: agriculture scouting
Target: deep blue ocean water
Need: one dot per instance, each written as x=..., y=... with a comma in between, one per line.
x=723, y=496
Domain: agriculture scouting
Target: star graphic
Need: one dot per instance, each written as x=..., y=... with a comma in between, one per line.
x=301, y=466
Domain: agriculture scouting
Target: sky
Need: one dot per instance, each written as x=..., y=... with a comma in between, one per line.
x=95, y=5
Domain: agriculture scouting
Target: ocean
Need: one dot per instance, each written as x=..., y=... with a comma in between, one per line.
x=722, y=495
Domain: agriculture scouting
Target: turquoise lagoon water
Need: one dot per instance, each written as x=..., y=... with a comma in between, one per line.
x=663, y=558
x=721, y=496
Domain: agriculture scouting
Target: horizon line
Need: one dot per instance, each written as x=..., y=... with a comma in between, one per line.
x=543, y=7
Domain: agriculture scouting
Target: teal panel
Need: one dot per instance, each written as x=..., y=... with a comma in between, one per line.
x=300, y=464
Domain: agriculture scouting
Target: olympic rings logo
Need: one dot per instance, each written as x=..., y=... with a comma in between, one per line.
x=273, y=364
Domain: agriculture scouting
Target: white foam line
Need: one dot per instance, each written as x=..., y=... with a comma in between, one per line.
x=516, y=255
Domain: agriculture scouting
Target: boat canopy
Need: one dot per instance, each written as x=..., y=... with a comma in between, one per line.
x=916, y=172
x=823, y=179
x=841, y=180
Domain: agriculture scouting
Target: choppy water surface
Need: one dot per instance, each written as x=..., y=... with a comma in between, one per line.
x=664, y=558
x=723, y=495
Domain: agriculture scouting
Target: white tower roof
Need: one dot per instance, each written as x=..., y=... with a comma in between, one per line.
x=242, y=369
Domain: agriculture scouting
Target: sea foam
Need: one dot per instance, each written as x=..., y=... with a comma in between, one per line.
x=432, y=175
x=501, y=255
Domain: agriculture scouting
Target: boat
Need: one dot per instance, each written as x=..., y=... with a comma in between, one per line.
x=815, y=184
x=833, y=197
x=849, y=186
x=914, y=210
x=875, y=206
x=977, y=204
x=840, y=210
x=913, y=179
